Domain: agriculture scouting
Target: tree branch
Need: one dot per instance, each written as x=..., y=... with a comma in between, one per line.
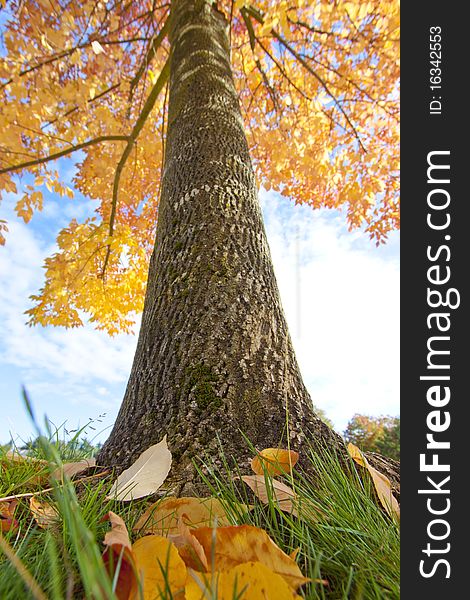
x=75, y=108
x=152, y=51
x=258, y=17
x=253, y=39
x=148, y=106
x=56, y=155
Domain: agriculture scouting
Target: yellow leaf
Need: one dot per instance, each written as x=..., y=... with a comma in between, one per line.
x=226, y=547
x=275, y=461
x=44, y=513
x=248, y=581
x=159, y=566
x=257, y=580
x=382, y=484
x=163, y=517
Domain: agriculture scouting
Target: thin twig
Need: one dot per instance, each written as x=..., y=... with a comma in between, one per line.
x=252, y=36
x=152, y=51
x=258, y=17
x=50, y=489
x=148, y=106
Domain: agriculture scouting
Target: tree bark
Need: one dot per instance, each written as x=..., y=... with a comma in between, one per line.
x=214, y=356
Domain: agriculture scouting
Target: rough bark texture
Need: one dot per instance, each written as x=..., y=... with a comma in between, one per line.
x=214, y=354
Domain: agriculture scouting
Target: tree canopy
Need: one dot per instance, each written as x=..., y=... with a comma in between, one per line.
x=318, y=87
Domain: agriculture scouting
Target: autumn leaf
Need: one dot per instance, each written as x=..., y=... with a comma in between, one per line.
x=97, y=47
x=284, y=496
x=73, y=468
x=250, y=581
x=15, y=456
x=119, y=555
x=227, y=547
x=7, y=516
x=160, y=568
x=257, y=580
x=382, y=484
x=275, y=461
x=44, y=513
x=145, y=476
x=268, y=490
x=189, y=548
x=164, y=516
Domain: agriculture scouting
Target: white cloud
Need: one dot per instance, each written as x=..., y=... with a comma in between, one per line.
x=69, y=374
x=341, y=298
x=66, y=353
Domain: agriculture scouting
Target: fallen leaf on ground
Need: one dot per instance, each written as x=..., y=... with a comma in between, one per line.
x=162, y=518
x=382, y=484
x=118, y=555
x=73, y=468
x=7, y=516
x=189, y=548
x=250, y=581
x=15, y=456
x=160, y=569
x=275, y=461
x=145, y=476
x=264, y=490
x=257, y=580
x=44, y=513
x=244, y=543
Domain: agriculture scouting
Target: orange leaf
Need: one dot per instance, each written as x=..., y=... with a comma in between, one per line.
x=382, y=484
x=239, y=544
x=159, y=567
x=163, y=517
x=253, y=580
x=44, y=513
x=118, y=554
x=7, y=512
x=189, y=548
x=275, y=461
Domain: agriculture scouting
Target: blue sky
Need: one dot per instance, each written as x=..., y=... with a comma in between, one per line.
x=340, y=295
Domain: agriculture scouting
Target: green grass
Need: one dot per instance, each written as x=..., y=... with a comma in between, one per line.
x=351, y=543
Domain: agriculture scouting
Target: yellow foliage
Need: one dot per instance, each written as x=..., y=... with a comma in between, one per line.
x=159, y=567
x=319, y=95
x=249, y=581
x=227, y=547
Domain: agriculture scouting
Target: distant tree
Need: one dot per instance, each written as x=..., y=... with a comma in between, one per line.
x=375, y=434
x=323, y=416
x=5, y=447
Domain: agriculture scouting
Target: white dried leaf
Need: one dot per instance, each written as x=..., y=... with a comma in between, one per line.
x=145, y=476
x=73, y=468
x=97, y=47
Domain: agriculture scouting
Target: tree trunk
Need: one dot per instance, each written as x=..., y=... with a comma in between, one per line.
x=214, y=356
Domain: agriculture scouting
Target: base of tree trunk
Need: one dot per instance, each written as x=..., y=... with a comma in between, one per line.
x=228, y=457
